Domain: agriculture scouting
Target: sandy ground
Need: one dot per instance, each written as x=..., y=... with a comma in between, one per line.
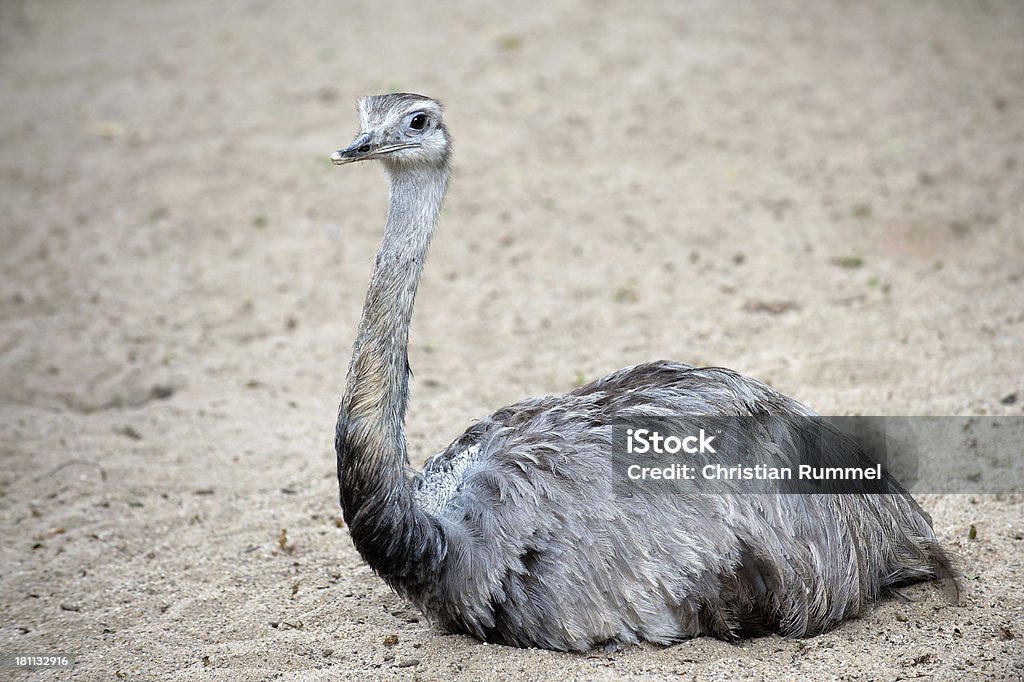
x=825, y=195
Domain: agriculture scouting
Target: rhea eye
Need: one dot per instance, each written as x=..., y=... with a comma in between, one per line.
x=418, y=122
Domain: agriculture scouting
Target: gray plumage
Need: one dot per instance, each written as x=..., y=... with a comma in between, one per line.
x=514, y=533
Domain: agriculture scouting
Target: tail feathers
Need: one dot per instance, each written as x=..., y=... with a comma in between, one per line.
x=945, y=571
x=938, y=565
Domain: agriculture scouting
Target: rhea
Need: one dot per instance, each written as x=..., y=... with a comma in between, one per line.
x=516, y=533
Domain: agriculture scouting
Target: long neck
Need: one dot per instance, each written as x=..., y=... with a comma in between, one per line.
x=377, y=502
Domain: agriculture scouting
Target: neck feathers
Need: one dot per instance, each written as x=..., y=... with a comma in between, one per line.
x=379, y=370
x=370, y=437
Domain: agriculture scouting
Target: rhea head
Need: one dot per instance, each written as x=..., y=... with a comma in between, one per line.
x=402, y=130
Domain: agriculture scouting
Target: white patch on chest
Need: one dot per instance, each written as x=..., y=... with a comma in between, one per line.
x=442, y=480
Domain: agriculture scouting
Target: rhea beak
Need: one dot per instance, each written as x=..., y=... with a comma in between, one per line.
x=361, y=148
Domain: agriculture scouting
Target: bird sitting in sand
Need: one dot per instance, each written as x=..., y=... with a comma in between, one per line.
x=515, y=533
